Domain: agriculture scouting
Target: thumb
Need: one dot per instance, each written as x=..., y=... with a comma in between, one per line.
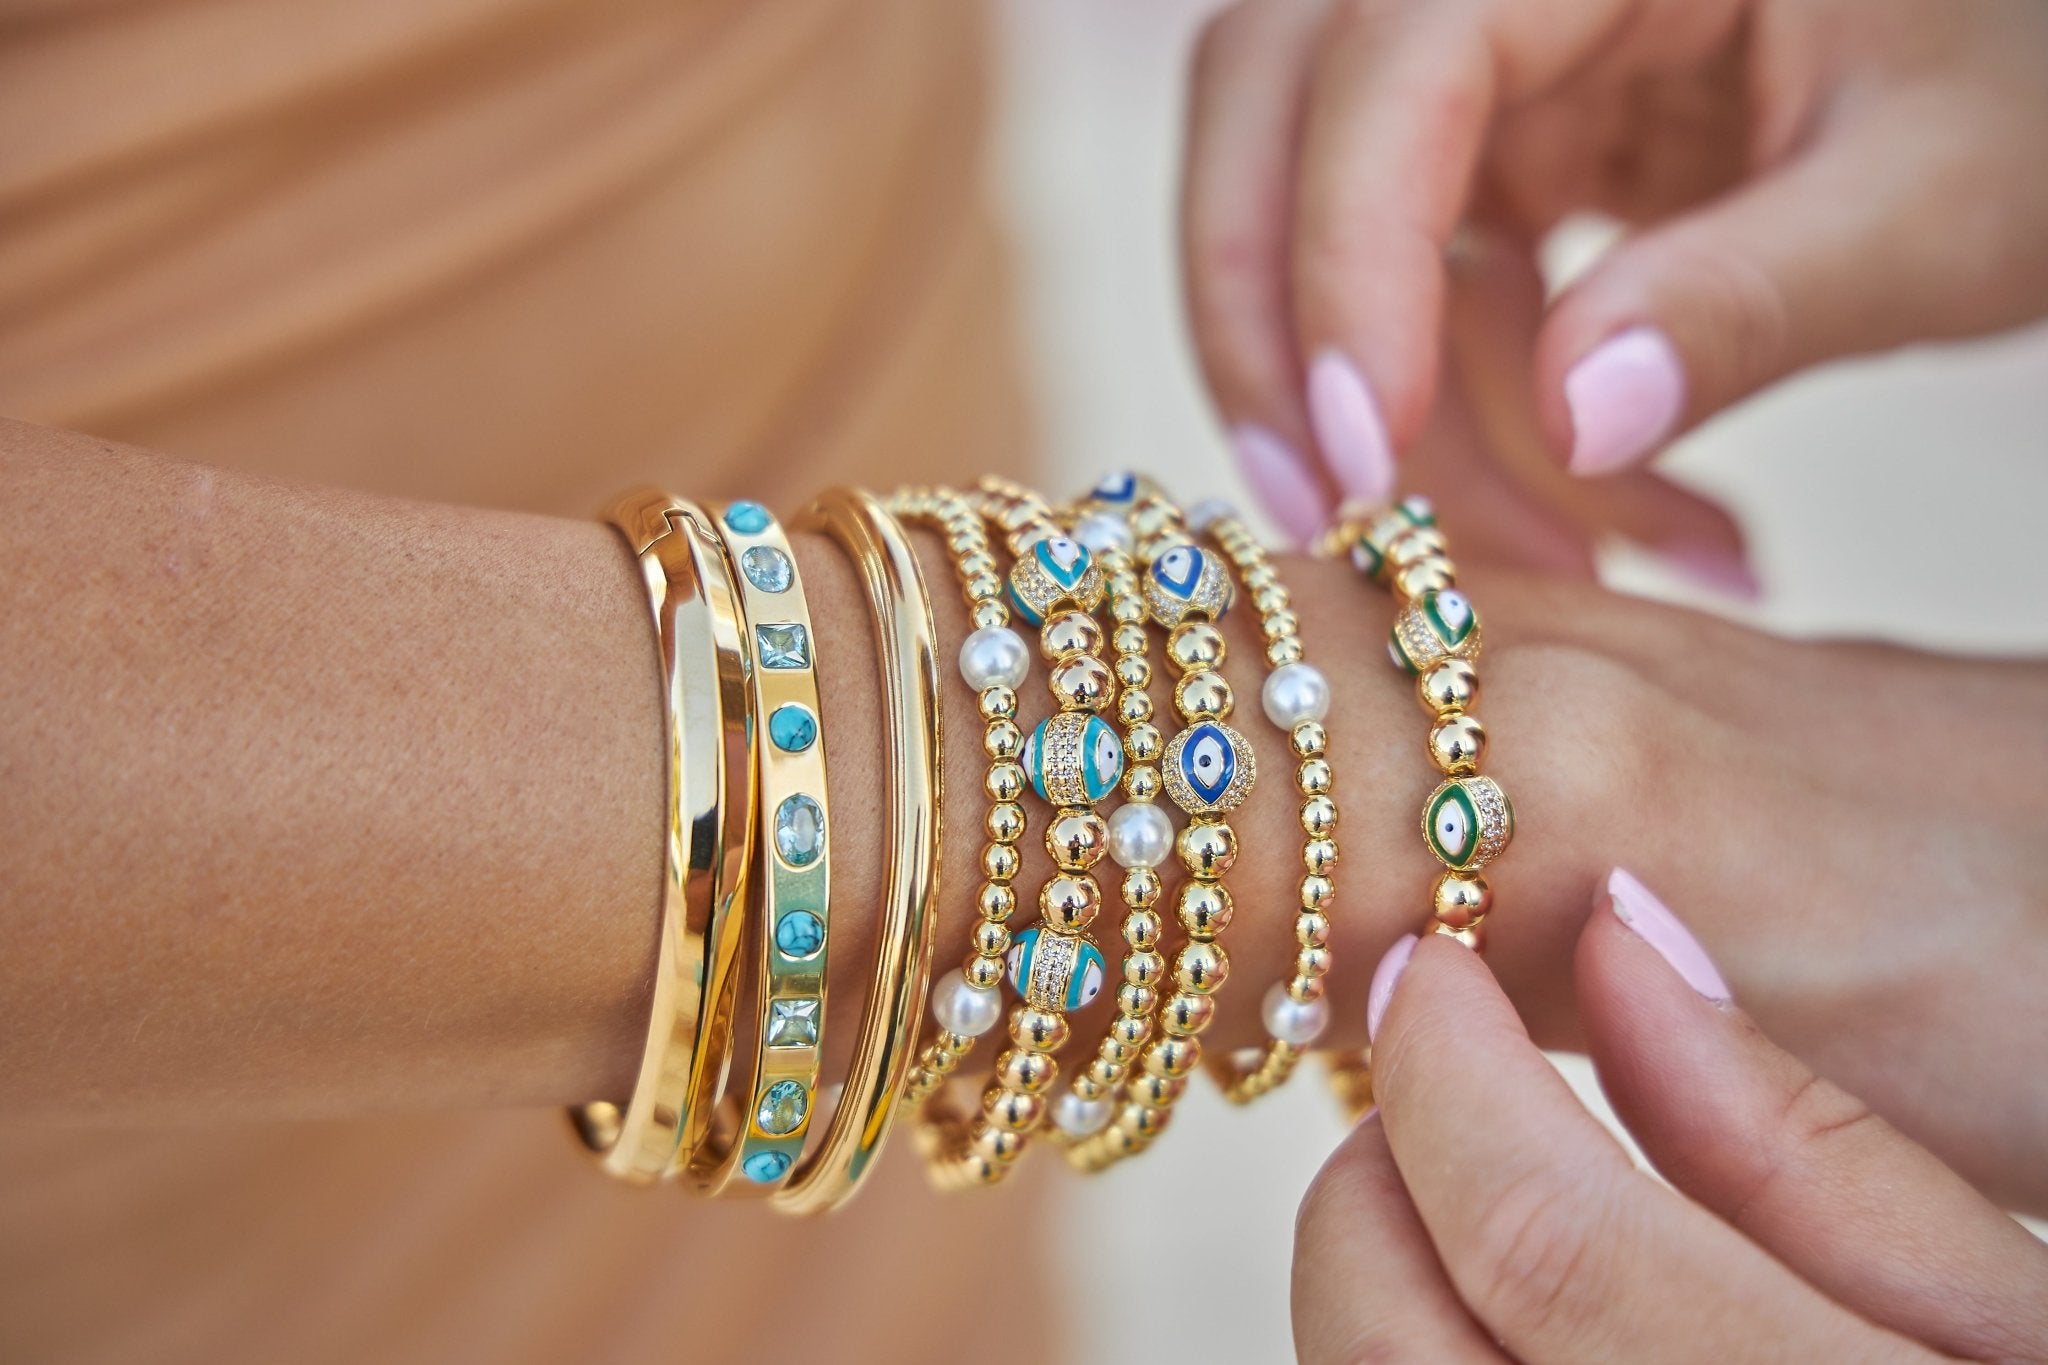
x=1855, y=245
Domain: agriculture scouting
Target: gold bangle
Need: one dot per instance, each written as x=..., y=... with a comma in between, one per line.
x=777, y=1091
x=709, y=810
x=830, y=1174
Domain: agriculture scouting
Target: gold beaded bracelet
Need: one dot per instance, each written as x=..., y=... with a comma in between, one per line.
x=708, y=836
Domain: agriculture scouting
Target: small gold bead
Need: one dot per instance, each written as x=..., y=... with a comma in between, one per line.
x=1115, y=1053
x=1069, y=632
x=1305, y=989
x=1415, y=545
x=1311, y=929
x=1134, y=708
x=1309, y=739
x=1136, y=999
x=984, y=971
x=1312, y=962
x=1284, y=651
x=996, y=902
x=1082, y=683
x=991, y=939
x=1201, y=967
x=1131, y=1030
x=1261, y=576
x=1132, y=671
x=1005, y=821
x=1129, y=639
x=1151, y=517
x=1002, y=740
x=1269, y=599
x=1186, y=1014
x=1088, y=1088
x=1143, y=743
x=1460, y=899
x=1318, y=816
x=1203, y=695
x=1029, y=1072
x=1005, y=782
x=1141, y=888
x=1069, y=902
x=1153, y=1098
x=1037, y=1030
x=1452, y=685
x=990, y=1155
x=1141, y=930
x=1107, y=1072
x=1077, y=839
x=982, y=586
x=1205, y=909
x=1280, y=625
x=1207, y=848
x=1473, y=936
x=1316, y=892
x=990, y=613
x=1013, y=1111
x=975, y=563
x=999, y=862
x=1195, y=644
x=1144, y=969
x=1431, y=574
x=1319, y=855
x=1141, y=782
x=1128, y=611
x=1313, y=777
x=1173, y=1056
x=962, y=538
x=998, y=703
x=1456, y=744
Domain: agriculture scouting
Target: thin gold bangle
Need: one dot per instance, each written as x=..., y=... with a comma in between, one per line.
x=882, y=1057
x=709, y=811
x=777, y=1089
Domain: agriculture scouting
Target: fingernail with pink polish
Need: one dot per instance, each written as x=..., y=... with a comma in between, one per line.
x=1348, y=429
x=1281, y=481
x=1636, y=906
x=1625, y=397
x=1384, y=978
x=1715, y=567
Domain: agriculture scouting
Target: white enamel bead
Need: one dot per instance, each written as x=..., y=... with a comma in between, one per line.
x=1140, y=835
x=1100, y=531
x=1293, y=1021
x=1295, y=693
x=1077, y=1117
x=1208, y=512
x=962, y=1007
x=994, y=655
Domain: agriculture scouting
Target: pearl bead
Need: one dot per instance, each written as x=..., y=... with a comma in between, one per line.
x=1208, y=512
x=1295, y=693
x=1293, y=1021
x=1100, y=531
x=961, y=1007
x=994, y=656
x=1077, y=1117
x=1140, y=835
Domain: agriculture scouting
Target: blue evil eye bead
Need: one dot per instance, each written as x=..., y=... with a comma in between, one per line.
x=799, y=934
x=1117, y=489
x=1073, y=759
x=1434, y=627
x=783, y=1108
x=1187, y=581
x=1208, y=769
x=1055, y=971
x=1058, y=569
x=748, y=518
x=1467, y=822
x=792, y=728
x=765, y=1168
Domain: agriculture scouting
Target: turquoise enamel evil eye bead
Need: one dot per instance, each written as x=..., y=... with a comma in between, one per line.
x=1057, y=570
x=1055, y=971
x=1467, y=822
x=1208, y=768
x=1434, y=627
x=1073, y=759
x=1187, y=581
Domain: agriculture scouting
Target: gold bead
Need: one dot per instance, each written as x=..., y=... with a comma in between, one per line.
x=1069, y=902
x=1173, y=1056
x=1144, y=969
x=1106, y=1072
x=1082, y=683
x=1141, y=888
x=990, y=613
x=1186, y=1015
x=1131, y=1030
x=996, y=902
x=1416, y=545
x=1456, y=744
x=1312, y=962
x=991, y=939
x=1460, y=899
x=1134, y=708
x=1037, y=1030
x=1143, y=743
x=1311, y=929
x=1431, y=574
x=1473, y=936
x=1005, y=782
x=983, y=586
x=1201, y=967
x=1318, y=816
x=1077, y=839
x=1087, y=1087
x=1115, y=1053
x=1203, y=696
x=1002, y=740
x=1151, y=517
x=1319, y=855
x=1316, y=892
x=1452, y=685
x=1153, y=1098
x=999, y=862
x=1195, y=644
x=992, y=1150
x=1128, y=611
x=1280, y=625
x=1309, y=739
x=1129, y=639
x=1207, y=848
x=1132, y=671
x=1205, y=909
x=1013, y=1111
x=1283, y=652
x=1141, y=930
x=975, y=563
x=1070, y=632
x=1313, y=777
x=1261, y=576
x=1141, y=782
x=1029, y=1072
x=1136, y=999
x=1005, y=821
x=1269, y=599
x=984, y=971
x=998, y=702
x=1306, y=989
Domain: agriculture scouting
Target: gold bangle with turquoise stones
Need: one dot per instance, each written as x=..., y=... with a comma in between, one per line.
x=1296, y=700
x=1208, y=770
x=792, y=871
x=708, y=833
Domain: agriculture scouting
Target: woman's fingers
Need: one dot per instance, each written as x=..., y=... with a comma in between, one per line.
x=1553, y=1240
x=1367, y=1284
x=1792, y=1161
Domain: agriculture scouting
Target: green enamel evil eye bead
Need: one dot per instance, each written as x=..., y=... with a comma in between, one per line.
x=1434, y=627
x=1467, y=822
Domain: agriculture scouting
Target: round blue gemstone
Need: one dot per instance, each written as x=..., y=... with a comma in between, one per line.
x=748, y=518
x=793, y=728
x=765, y=1168
x=799, y=934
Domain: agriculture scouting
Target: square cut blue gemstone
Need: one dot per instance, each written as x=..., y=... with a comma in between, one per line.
x=784, y=646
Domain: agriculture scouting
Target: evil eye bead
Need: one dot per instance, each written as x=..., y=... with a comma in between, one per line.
x=1073, y=759
x=1187, y=581
x=1208, y=769
x=1057, y=570
x=1417, y=510
x=1119, y=489
x=1369, y=548
x=1057, y=972
x=1434, y=627
x=1467, y=822
x=1102, y=532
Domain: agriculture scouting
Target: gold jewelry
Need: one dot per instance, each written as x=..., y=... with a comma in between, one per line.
x=792, y=872
x=902, y=609
x=708, y=781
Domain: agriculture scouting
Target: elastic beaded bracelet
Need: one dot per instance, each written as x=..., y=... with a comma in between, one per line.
x=832, y=1171
x=709, y=812
x=792, y=872
x=1208, y=770
x=1296, y=699
x=994, y=660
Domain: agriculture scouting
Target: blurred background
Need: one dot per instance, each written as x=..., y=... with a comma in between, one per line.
x=1896, y=496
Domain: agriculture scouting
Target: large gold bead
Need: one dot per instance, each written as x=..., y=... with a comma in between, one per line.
x=1313, y=777
x=1005, y=821
x=1069, y=902
x=1005, y=782
x=1186, y=1015
x=1432, y=573
x=1036, y=1029
x=1205, y=909
x=997, y=901
x=1173, y=1056
x=1452, y=685
x=1311, y=929
x=1196, y=644
x=1457, y=743
x=1208, y=848
x=1077, y=839
x=1082, y=683
x=1201, y=967
x=1028, y=1072
x=1203, y=695
x=991, y=939
x=1460, y=899
x=999, y=862
x=998, y=702
x=1318, y=816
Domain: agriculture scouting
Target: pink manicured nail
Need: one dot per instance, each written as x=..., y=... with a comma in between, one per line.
x=1384, y=978
x=1652, y=922
x=1348, y=428
x=1625, y=396
x=1281, y=482
x=1715, y=567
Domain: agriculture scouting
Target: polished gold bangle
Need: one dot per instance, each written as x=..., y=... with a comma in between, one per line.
x=708, y=832
x=792, y=873
x=901, y=605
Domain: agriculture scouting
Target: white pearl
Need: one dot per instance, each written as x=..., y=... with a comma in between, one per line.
x=963, y=1007
x=1100, y=531
x=1140, y=834
x=1208, y=512
x=1077, y=1117
x=1294, y=693
x=994, y=655
x=1292, y=1021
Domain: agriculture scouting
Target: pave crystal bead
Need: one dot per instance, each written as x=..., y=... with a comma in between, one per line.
x=1056, y=570
x=748, y=518
x=793, y=728
x=1467, y=822
x=1055, y=971
x=1434, y=627
x=1209, y=768
x=793, y=1023
x=783, y=1107
x=1073, y=759
x=799, y=830
x=767, y=568
x=1184, y=582
x=784, y=646
x=799, y=934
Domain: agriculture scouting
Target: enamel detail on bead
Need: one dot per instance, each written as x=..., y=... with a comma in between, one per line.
x=1186, y=581
x=1057, y=570
x=1116, y=488
x=1073, y=759
x=1467, y=822
x=1208, y=768
x=1055, y=971
x=1434, y=627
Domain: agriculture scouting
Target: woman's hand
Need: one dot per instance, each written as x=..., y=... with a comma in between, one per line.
x=1482, y=1213
x=1809, y=179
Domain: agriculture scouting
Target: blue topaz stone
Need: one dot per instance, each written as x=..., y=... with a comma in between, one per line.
x=1073, y=759
x=783, y=1108
x=793, y=1023
x=799, y=934
x=1208, y=768
x=799, y=830
x=767, y=568
x=748, y=518
x=1058, y=569
x=784, y=646
x=793, y=728
x=765, y=1168
x=1054, y=971
x=1187, y=581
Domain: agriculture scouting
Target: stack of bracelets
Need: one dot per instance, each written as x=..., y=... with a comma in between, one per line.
x=746, y=921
